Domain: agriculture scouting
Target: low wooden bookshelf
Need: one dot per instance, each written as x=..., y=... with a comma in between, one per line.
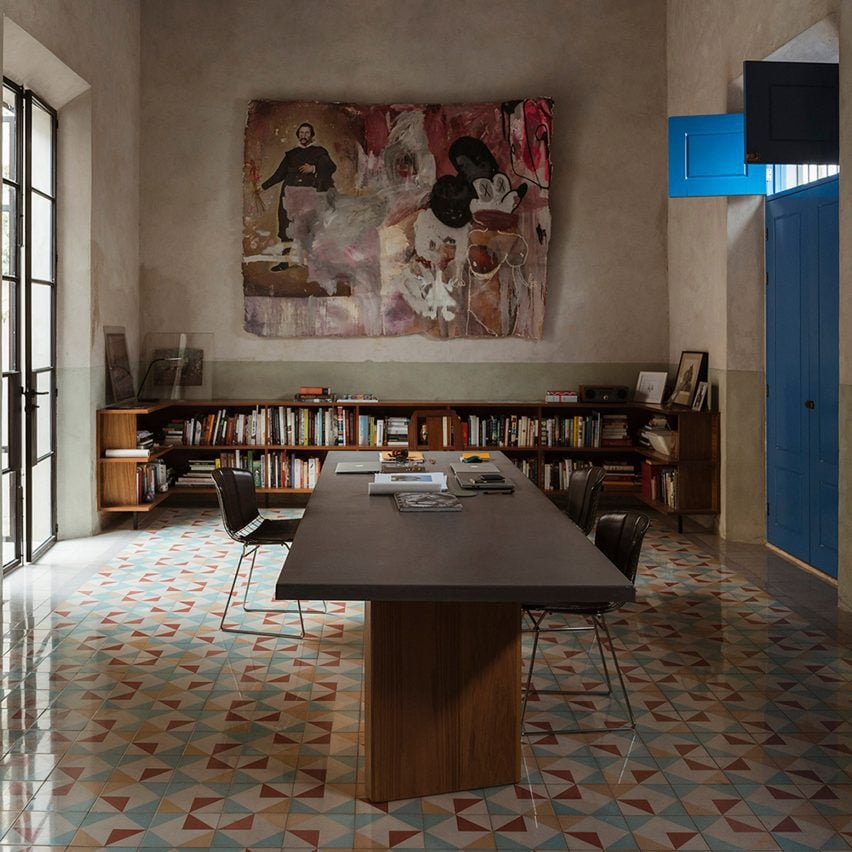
x=286, y=443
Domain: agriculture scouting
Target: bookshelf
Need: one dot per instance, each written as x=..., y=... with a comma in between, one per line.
x=285, y=442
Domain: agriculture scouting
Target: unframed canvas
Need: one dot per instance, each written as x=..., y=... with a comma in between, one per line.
x=382, y=220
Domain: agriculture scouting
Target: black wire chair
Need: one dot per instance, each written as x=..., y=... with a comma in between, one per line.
x=244, y=524
x=619, y=536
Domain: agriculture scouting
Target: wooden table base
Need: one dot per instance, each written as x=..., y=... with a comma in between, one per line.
x=442, y=697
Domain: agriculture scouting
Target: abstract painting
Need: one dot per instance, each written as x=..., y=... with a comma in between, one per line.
x=387, y=220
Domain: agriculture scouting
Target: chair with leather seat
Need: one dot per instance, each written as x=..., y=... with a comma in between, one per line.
x=435, y=429
x=619, y=537
x=584, y=491
x=243, y=522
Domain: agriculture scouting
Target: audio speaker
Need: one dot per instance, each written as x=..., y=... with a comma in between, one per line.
x=604, y=393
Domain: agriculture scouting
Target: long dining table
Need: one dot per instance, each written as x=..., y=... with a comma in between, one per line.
x=443, y=591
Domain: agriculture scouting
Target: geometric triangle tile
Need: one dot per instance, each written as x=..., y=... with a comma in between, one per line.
x=609, y=832
x=182, y=831
x=48, y=828
x=245, y=830
x=735, y=832
x=652, y=832
x=319, y=831
x=111, y=829
x=383, y=831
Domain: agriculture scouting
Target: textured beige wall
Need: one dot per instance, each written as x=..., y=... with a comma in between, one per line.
x=83, y=58
x=602, y=62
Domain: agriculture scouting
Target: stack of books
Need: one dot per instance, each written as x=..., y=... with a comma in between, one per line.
x=396, y=432
x=614, y=432
x=144, y=439
x=620, y=475
x=198, y=475
x=314, y=393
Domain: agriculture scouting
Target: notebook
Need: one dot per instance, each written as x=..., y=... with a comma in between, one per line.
x=474, y=467
x=477, y=482
x=358, y=467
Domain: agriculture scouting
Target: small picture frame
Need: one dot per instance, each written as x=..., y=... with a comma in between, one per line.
x=700, y=396
x=691, y=370
x=650, y=387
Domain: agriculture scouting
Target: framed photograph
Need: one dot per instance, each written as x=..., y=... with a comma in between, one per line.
x=650, y=387
x=700, y=396
x=691, y=370
x=119, y=377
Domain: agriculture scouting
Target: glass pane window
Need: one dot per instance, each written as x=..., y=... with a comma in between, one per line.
x=41, y=152
x=10, y=136
x=41, y=250
x=44, y=420
x=41, y=348
x=8, y=360
x=10, y=231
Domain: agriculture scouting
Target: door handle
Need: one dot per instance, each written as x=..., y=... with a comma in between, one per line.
x=809, y=403
x=31, y=394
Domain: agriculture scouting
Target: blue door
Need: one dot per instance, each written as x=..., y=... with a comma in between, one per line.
x=802, y=265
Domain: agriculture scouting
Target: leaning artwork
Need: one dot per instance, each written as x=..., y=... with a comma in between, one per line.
x=386, y=220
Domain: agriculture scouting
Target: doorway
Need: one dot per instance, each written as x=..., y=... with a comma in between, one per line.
x=802, y=363
x=28, y=326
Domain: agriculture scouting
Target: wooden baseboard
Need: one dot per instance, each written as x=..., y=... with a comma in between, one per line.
x=831, y=581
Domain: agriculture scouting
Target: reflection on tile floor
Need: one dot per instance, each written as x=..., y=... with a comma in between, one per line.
x=130, y=721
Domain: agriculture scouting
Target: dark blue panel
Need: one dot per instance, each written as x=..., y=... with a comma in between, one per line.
x=787, y=435
x=802, y=305
x=706, y=157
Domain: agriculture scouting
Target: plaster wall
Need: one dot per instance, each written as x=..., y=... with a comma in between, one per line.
x=83, y=58
x=604, y=65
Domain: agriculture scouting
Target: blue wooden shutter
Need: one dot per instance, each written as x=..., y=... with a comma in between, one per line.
x=706, y=157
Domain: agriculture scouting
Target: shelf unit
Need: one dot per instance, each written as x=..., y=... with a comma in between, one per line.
x=515, y=428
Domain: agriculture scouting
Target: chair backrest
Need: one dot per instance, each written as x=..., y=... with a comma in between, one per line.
x=435, y=429
x=584, y=491
x=237, y=499
x=619, y=537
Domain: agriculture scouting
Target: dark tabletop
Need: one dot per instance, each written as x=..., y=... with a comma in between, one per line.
x=499, y=547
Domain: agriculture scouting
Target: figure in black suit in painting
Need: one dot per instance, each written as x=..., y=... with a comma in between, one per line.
x=306, y=165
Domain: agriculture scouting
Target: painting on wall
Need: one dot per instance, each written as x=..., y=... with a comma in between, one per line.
x=387, y=220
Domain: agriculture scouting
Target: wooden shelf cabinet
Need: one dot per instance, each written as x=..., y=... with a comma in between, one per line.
x=539, y=437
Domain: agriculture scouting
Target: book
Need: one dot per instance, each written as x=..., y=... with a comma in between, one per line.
x=427, y=501
x=137, y=453
x=390, y=483
x=474, y=457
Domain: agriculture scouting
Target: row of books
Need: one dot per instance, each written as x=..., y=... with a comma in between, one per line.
x=529, y=467
x=276, y=469
x=338, y=426
x=660, y=483
x=589, y=430
x=620, y=474
x=277, y=425
x=152, y=478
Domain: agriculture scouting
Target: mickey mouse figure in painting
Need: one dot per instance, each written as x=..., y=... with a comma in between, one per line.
x=305, y=170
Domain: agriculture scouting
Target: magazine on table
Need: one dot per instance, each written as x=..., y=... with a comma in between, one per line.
x=427, y=501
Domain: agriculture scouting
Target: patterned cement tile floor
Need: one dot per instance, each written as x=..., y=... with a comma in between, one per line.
x=130, y=721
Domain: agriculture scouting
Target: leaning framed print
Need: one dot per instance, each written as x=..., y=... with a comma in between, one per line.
x=650, y=387
x=691, y=370
x=700, y=397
